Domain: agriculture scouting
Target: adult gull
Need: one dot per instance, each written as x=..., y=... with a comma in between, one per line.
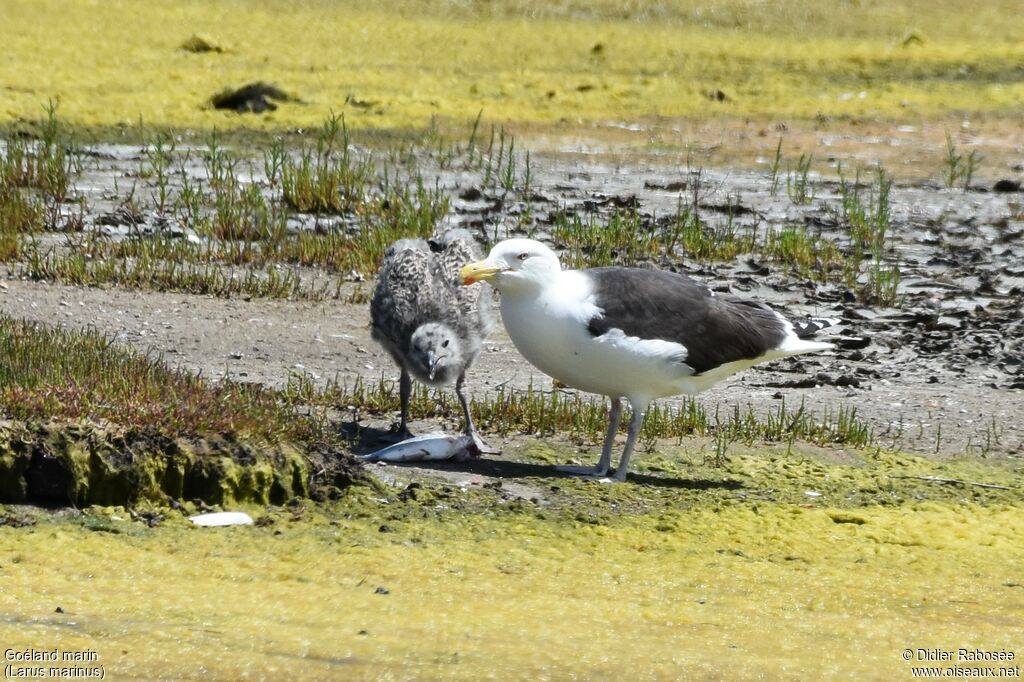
x=630, y=333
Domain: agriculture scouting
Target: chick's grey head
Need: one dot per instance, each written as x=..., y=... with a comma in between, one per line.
x=435, y=354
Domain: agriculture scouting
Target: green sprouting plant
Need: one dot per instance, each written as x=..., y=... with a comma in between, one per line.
x=527, y=180
x=473, y=156
x=218, y=163
x=273, y=162
x=869, y=219
x=439, y=146
x=508, y=175
x=36, y=176
x=884, y=280
x=21, y=213
x=798, y=183
x=329, y=178
x=959, y=168
x=189, y=206
x=622, y=240
x=809, y=255
x=240, y=211
x=160, y=154
x=775, y=167
x=723, y=438
x=500, y=166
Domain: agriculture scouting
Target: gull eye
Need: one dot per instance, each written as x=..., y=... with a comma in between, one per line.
x=445, y=344
x=523, y=256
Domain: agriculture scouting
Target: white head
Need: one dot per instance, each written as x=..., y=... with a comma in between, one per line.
x=435, y=353
x=514, y=265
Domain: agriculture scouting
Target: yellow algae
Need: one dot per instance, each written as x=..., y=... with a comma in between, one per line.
x=399, y=63
x=90, y=464
x=768, y=592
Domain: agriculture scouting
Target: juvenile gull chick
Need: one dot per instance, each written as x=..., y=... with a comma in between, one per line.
x=431, y=326
x=630, y=333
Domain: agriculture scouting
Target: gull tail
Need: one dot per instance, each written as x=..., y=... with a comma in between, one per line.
x=796, y=342
x=812, y=325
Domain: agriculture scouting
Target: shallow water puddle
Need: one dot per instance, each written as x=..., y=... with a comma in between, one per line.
x=776, y=591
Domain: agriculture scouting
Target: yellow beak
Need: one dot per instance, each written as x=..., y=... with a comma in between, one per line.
x=480, y=271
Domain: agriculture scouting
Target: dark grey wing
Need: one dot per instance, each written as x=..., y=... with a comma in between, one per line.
x=653, y=304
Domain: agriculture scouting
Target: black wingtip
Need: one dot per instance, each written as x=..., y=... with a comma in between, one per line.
x=813, y=325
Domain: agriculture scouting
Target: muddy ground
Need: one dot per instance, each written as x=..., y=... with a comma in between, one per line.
x=940, y=374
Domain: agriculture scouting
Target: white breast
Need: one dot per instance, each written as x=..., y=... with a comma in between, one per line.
x=550, y=330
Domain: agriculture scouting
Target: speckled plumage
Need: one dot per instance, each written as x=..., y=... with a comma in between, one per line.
x=432, y=327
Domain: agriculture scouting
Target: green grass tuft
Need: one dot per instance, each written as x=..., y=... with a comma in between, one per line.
x=46, y=372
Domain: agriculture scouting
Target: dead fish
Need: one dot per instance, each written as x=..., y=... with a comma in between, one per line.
x=431, y=446
x=221, y=519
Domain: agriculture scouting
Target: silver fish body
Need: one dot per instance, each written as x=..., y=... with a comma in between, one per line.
x=221, y=519
x=428, y=447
